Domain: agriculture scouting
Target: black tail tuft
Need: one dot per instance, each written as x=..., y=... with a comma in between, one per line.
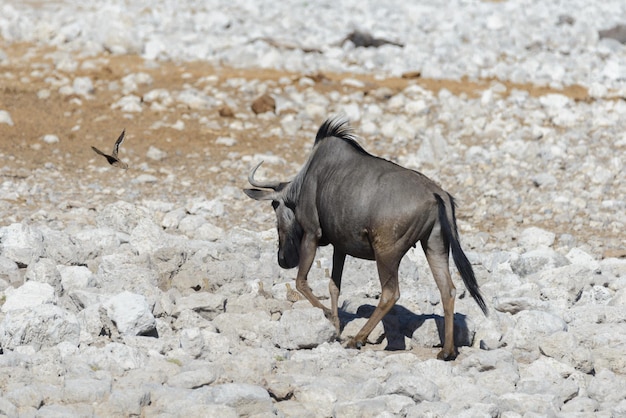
x=450, y=235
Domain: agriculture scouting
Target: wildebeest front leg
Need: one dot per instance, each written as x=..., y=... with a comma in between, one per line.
x=334, y=287
x=308, y=247
x=388, y=275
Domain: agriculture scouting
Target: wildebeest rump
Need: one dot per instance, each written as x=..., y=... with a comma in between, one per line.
x=370, y=208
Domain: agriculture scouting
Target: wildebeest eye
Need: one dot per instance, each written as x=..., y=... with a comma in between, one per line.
x=275, y=204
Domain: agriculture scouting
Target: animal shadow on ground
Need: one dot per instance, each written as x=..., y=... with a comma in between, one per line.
x=401, y=322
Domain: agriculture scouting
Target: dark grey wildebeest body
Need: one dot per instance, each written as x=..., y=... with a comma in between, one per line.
x=370, y=208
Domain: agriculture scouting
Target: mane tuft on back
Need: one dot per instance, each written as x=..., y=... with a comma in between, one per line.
x=338, y=127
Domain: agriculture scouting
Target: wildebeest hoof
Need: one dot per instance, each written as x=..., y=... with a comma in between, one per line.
x=447, y=356
x=352, y=343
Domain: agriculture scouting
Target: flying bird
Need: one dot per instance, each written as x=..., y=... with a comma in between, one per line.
x=113, y=159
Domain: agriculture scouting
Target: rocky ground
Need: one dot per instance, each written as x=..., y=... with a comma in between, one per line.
x=154, y=291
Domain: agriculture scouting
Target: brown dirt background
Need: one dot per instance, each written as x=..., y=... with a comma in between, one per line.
x=22, y=149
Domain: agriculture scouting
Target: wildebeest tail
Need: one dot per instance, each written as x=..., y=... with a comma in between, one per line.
x=451, y=237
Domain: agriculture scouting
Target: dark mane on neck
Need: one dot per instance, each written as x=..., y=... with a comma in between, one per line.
x=339, y=128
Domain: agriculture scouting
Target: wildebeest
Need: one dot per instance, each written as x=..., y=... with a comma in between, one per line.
x=370, y=208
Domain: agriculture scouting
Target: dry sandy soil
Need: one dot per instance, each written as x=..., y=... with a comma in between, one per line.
x=22, y=149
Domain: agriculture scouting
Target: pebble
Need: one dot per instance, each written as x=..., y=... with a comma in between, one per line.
x=5, y=117
x=155, y=154
x=50, y=139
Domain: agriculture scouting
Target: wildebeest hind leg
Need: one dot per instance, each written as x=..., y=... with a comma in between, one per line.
x=388, y=275
x=437, y=255
x=308, y=247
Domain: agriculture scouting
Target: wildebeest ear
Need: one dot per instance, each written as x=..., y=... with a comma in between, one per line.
x=258, y=194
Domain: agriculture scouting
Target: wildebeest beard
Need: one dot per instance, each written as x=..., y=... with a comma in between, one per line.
x=289, y=238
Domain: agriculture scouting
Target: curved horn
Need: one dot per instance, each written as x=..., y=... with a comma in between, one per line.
x=266, y=185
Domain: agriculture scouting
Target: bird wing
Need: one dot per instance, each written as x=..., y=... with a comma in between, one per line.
x=119, y=141
x=99, y=152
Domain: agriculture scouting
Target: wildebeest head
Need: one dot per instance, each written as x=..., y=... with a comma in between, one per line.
x=289, y=230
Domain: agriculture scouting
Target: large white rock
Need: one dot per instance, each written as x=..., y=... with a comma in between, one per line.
x=193, y=379
x=94, y=242
x=607, y=387
x=45, y=271
x=86, y=390
x=548, y=376
x=192, y=342
x=208, y=305
x=565, y=347
x=495, y=371
x=523, y=403
x=76, y=277
x=537, y=260
x=530, y=325
x=580, y=257
x=130, y=313
x=62, y=247
x=39, y=326
x=114, y=357
x=21, y=243
x=125, y=401
x=418, y=388
x=120, y=216
x=247, y=399
x=253, y=328
x=533, y=237
x=9, y=271
x=147, y=236
x=303, y=328
x=29, y=295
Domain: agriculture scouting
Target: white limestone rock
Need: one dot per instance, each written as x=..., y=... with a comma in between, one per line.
x=565, y=347
x=29, y=295
x=579, y=257
x=208, y=305
x=45, y=270
x=130, y=313
x=120, y=216
x=147, y=237
x=303, y=328
x=418, y=388
x=532, y=324
x=76, y=277
x=86, y=390
x=62, y=247
x=22, y=243
x=254, y=328
x=245, y=398
x=38, y=326
x=193, y=379
x=534, y=237
x=537, y=260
